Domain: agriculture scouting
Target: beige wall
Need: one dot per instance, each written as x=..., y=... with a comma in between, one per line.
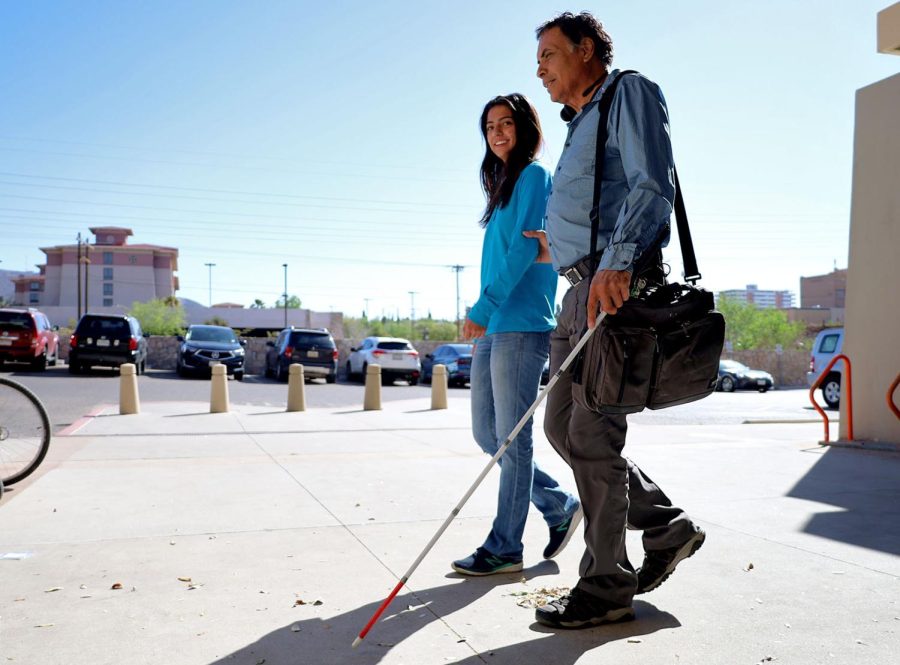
x=873, y=280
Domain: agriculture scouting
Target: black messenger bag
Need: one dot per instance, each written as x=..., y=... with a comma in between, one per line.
x=662, y=347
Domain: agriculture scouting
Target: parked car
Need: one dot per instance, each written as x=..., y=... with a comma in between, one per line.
x=396, y=356
x=107, y=340
x=457, y=358
x=735, y=376
x=314, y=348
x=26, y=336
x=205, y=346
x=827, y=345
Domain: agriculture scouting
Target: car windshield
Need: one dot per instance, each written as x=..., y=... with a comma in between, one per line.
x=108, y=327
x=310, y=339
x=462, y=349
x=16, y=320
x=394, y=346
x=199, y=334
x=733, y=366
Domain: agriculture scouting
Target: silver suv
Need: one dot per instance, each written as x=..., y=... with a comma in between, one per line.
x=827, y=345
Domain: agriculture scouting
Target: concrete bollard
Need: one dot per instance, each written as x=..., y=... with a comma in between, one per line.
x=296, y=390
x=129, y=401
x=218, y=399
x=438, y=387
x=372, y=397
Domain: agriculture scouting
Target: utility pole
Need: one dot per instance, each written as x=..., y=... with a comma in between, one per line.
x=78, y=275
x=285, y=265
x=412, y=313
x=210, y=266
x=366, y=300
x=457, y=269
x=87, y=281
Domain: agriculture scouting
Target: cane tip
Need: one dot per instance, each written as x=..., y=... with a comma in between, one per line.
x=357, y=642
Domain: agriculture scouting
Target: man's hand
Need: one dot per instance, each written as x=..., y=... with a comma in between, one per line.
x=544, y=248
x=472, y=330
x=609, y=289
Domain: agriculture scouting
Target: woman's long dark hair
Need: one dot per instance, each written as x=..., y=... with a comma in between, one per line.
x=498, y=179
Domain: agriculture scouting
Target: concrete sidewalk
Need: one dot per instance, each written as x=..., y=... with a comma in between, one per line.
x=259, y=536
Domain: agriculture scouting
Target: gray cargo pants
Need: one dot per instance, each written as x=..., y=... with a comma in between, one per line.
x=614, y=492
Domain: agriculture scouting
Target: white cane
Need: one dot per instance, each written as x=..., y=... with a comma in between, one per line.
x=512, y=435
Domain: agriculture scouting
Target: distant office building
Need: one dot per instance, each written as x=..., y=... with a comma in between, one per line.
x=113, y=273
x=760, y=297
x=825, y=291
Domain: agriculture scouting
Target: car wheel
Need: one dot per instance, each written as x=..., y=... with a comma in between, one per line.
x=239, y=375
x=349, y=373
x=413, y=381
x=426, y=379
x=330, y=378
x=39, y=364
x=365, y=371
x=387, y=380
x=74, y=368
x=279, y=373
x=54, y=358
x=831, y=392
x=728, y=384
x=763, y=390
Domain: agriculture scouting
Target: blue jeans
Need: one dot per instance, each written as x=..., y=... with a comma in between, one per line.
x=506, y=374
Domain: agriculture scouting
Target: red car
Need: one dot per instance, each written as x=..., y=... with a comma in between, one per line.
x=26, y=336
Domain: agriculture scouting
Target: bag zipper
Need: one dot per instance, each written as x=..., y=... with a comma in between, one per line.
x=626, y=362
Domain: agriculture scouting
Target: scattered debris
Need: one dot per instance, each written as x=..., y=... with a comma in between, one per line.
x=14, y=556
x=171, y=542
x=45, y=625
x=295, y=628
x=385, y=644
x=539, y=597
x=116, y=586
x=462, y=640
x=52, y=589
x=299, y=601
x=184, y=579
x=748, y=567
x=317, y=602
x=759, y=600
x=82, y=586
x=787, y=625
x=634, y=640
x=863, y=643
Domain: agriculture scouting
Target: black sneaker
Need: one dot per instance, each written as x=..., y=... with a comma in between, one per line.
x=483, y=562
x=659, y=564
x=561, y=534
x=579, y=609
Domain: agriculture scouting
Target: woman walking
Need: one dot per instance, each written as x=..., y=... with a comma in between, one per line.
x=511, y=323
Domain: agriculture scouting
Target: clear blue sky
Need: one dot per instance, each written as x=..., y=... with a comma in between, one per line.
x=343, y=139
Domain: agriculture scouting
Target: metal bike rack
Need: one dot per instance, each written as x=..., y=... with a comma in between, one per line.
x=890, y=397
x=812, y=395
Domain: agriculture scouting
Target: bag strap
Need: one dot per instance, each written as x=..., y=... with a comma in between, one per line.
x=691, y=272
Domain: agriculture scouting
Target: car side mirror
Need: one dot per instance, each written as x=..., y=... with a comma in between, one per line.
x=243, y=342
x=180, y=338
x=354, y=348
x=270, y=343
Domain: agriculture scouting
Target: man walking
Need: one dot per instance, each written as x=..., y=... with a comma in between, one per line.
x=574, y=58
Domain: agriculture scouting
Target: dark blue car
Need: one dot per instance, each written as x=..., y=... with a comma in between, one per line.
x=457, y=358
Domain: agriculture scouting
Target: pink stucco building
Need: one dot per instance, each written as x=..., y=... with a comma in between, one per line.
x=114, y=273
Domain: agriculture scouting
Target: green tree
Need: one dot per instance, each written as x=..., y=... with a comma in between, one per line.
x=258, y=304
x=216, y=321
x=160, y=317
x=748, y=327
x=293, y=302
x=431, y=329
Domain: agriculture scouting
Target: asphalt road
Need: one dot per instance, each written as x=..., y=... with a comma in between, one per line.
x=68, y=397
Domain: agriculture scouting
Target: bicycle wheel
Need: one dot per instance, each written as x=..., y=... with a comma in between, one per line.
x=24, y=431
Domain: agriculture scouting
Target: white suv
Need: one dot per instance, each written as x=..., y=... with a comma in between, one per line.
x=827, y=345
x=396, y=356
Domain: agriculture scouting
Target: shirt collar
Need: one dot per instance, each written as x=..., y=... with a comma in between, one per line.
x=569, y=114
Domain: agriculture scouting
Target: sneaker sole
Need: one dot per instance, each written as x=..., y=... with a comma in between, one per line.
x=573, y=525
x=686, y=552
x=613, y=616
x=510, y=568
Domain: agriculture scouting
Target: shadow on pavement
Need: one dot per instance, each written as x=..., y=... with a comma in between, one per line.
x=866, y=484
x=328, y=641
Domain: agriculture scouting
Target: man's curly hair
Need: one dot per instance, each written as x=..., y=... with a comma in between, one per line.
x=578, y=26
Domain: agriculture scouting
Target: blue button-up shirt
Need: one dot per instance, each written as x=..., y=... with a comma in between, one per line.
x=638, y=178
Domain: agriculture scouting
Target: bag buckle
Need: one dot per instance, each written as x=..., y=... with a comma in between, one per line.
x=572, y=275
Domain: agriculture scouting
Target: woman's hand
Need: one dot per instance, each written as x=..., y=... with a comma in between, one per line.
x=472, y=330
x=543, y=249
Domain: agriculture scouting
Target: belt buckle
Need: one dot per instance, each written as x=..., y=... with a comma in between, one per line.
x=572, y=275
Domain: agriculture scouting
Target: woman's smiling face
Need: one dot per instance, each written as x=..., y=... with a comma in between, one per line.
x=500, y=131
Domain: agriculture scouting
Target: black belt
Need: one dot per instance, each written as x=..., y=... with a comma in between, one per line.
x=579, y=270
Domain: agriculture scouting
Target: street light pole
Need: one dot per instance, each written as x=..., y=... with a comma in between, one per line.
x=285, y=265
x=412, y=313
x=210, y=266
x=457, y=269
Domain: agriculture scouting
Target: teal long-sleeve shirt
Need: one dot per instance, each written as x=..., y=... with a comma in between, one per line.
x=517, y=294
